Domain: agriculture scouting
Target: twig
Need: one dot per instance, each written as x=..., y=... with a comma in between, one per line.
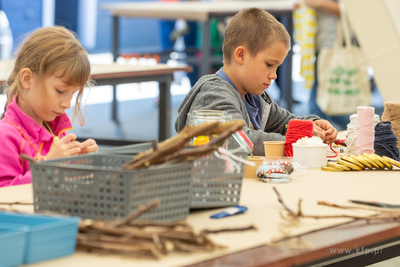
x=299, y=214
x=152, y=240
x=140, y=210
x=170, y=150
x=281, y=201
x=154, y=145
x=332, y=205
x=27, y=158
x=15, y=203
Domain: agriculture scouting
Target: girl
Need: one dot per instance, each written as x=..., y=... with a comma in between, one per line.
x=50, y=68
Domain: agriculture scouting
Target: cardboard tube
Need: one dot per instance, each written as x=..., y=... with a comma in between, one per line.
x=250, y=171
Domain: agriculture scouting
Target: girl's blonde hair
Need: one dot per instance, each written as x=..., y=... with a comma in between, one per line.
x=46, y=51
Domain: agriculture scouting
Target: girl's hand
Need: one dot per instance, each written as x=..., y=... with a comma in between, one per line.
x=89, y=146
x=65, y=147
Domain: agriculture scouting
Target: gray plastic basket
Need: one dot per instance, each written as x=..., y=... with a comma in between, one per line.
x=93, y=186
x=213, y=183
x=127, y=150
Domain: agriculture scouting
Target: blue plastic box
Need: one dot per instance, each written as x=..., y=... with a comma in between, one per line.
x=13, y=239
x=48, y=237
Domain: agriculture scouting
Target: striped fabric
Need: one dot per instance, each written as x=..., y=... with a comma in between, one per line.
x=305, y=28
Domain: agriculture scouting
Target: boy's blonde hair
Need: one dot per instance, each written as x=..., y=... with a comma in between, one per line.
x=46, y=51
x=255, y=29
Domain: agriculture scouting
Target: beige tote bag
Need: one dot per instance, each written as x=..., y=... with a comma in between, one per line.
x=343, y=80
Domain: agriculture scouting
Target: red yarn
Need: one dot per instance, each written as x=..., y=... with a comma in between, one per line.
x=297, y=129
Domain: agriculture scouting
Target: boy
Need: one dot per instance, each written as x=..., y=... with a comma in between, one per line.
x=255, y=44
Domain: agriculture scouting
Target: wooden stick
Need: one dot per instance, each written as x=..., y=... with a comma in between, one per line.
x=169, y=150
x=281, y=201
x=152, y=240
x=324, y=203
x=140, y=210
x=27, y=158
x=299, y=214
x=154, y=145
x=15, y=203
x=169, y=146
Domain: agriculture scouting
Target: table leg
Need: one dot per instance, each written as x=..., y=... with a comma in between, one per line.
x=164, y=123
x=115, y=41
x=114, y=114
x=285, y=70
x=114, y=109
x=205, y=61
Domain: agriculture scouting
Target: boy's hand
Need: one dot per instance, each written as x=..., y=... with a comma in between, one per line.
x=89, y=146
x=65, y=147
x=328, y=130
x=318, y=131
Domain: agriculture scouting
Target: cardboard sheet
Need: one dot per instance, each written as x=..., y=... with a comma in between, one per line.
x=263, y=212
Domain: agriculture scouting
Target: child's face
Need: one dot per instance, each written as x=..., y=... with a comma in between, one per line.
x=57, y=97
x=258, y=72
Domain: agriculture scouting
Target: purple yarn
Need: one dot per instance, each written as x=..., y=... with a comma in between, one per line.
x=385, y=143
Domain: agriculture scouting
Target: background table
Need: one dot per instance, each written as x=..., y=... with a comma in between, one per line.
x=203, y=12
x=113, y=74
x=117, y=74
x=250, y=248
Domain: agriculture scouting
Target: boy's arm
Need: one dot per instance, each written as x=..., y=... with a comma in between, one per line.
x=217, y=97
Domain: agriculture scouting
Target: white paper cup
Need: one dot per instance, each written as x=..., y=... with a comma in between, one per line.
x=313, y=157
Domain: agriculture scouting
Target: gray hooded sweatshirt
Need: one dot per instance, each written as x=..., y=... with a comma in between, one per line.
x=214, y=93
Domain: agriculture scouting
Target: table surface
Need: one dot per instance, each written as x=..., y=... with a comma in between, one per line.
x=264, y=212
x=192, y=10
x=106, y=71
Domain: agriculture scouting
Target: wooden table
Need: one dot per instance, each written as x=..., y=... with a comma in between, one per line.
x=117, y=74
x=203, y=12
x=380, y=239
x=113, y=74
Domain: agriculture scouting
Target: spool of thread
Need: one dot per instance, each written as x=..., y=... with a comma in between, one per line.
x=391, y=112
x=365, y=130
x=297, y=129
x=385, y=141
x=351, y=137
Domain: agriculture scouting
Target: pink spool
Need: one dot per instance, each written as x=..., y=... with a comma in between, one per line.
x=365, y=130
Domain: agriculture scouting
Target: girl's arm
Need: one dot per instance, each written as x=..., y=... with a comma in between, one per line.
x=13, y=171
x=20, y=179
x=328, y=6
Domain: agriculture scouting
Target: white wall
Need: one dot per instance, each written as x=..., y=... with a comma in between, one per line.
x=377, y=26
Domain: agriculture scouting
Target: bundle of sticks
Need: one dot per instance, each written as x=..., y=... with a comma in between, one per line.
x=145, y=239
x=170, y=150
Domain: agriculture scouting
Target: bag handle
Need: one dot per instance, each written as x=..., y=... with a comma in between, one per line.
x=343, y=29
x=345, y=25
x=339, y=35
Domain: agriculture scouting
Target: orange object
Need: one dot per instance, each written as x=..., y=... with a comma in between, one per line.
x=201, y=140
